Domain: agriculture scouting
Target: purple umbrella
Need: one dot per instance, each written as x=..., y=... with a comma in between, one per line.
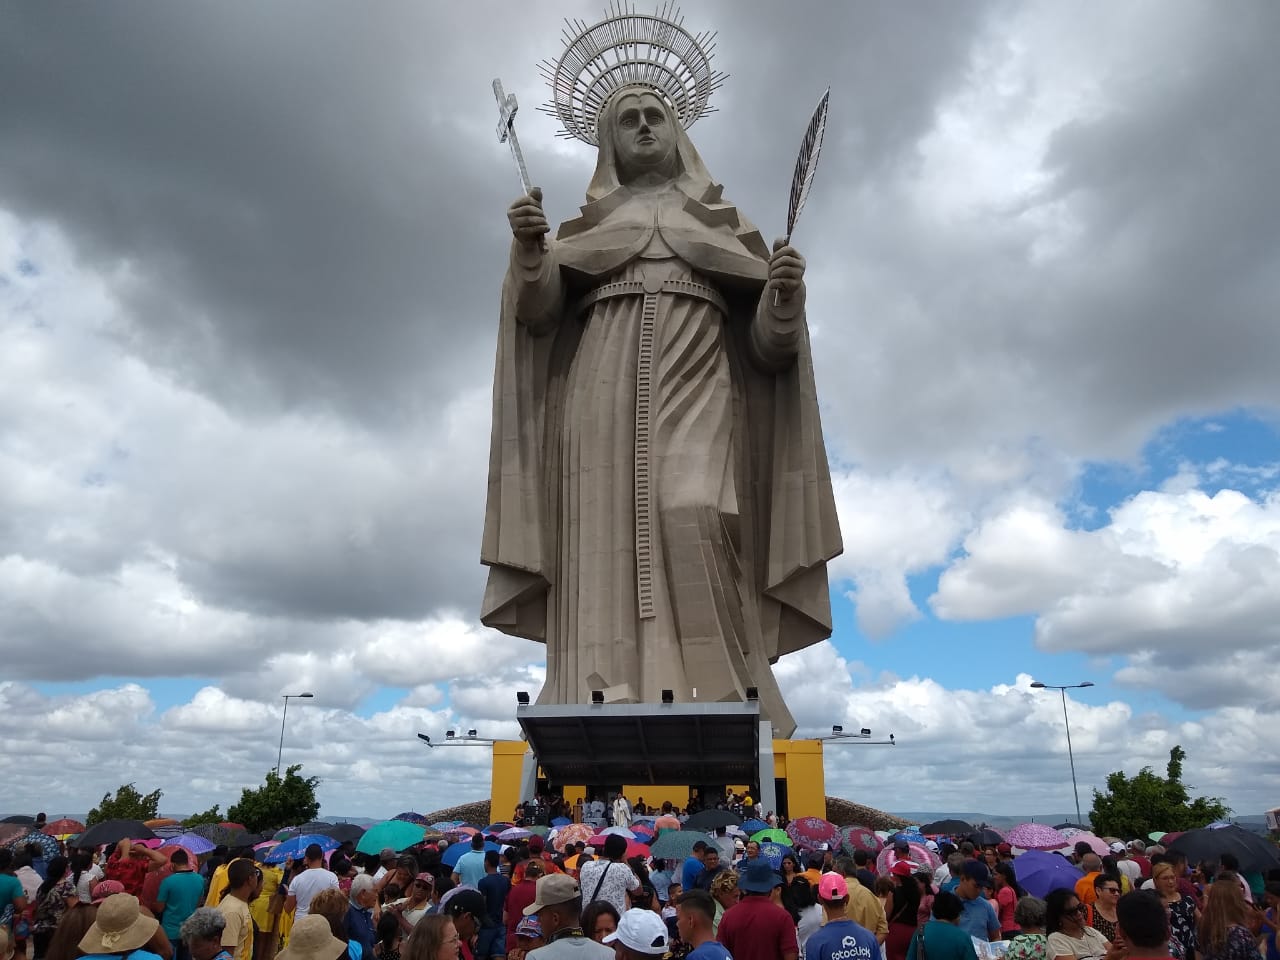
x=190, y=842
x=811, y=833
x=1036, y=836
x=1039, y=873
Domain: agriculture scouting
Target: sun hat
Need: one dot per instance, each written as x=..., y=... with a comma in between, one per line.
x=758, y=877
x=642, y=931
x=119, y=926
x=529, y=927
x=312, y=939
x=832, y=887
x=105, y=888
x=557, y=888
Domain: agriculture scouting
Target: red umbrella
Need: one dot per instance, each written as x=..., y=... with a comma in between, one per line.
x=64, y=827
x=861, y=838
x=812, y=832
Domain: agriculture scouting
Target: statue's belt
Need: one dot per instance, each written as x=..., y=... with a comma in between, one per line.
x=651, y=287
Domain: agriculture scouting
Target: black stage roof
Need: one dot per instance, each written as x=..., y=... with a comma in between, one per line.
x=639, y=743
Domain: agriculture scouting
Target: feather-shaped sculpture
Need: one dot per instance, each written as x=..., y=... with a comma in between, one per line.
x=807, y=162
x=806, y=167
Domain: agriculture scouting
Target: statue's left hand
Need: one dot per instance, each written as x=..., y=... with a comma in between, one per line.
x=786, y=269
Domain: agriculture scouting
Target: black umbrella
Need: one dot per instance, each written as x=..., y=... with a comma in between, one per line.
x=1256, y=854
x=707, y=820
x=216, y=833
x=985, y=837
x=342, y=832
x=113, y=831
x=952, y=828
x=19, y=818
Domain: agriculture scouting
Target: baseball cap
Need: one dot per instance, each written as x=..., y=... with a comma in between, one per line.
x=556, y=888
x=832, y=887
x=426, y=878
x=529, y=927
x=976, y=870
x=1118, y=847
x=641, y=930
x=1003, y=849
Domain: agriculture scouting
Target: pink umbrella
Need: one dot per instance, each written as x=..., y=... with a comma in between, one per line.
x=917, y=853
x=1036, y=836
x=810, y=833
x=1095, y=842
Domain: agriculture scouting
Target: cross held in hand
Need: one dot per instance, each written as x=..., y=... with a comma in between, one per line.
x=507, y=108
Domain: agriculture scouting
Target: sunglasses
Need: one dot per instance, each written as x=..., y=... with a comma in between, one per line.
x=1076, y=909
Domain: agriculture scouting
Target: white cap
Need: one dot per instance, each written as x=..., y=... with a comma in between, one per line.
x=641, y=930
x=1117, y=847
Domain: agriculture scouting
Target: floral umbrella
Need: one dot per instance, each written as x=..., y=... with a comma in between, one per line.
x=410, y=817
x=774, y=852
x=1036, y=836
x=48, y=845
x=64, y=827
x=812, y=832
x=573, y=833
x=772, y=835
x=917, y=853
x=857, y=838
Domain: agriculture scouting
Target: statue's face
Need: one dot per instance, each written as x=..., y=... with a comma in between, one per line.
x=643, y=136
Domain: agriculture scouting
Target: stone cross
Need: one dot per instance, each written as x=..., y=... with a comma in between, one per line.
x=507, y=108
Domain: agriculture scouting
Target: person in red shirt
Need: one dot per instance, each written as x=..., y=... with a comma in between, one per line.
x=521, y=894
x=756, y=928
x=129, y=865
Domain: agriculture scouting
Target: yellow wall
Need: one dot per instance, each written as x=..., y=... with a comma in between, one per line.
x=799, y=762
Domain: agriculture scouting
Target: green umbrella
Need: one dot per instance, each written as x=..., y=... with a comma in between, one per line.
x=771, y=836
x=675, y=844
x=396, y=834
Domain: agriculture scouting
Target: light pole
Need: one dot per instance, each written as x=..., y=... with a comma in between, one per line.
x=1063, y=688
x=287, y=698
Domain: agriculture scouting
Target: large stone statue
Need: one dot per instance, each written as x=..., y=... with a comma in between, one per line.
x=660, y=511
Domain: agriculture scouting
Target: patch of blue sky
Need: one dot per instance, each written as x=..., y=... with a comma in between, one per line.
x=165, y=692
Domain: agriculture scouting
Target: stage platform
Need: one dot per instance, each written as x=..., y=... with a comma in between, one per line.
x=658, y=751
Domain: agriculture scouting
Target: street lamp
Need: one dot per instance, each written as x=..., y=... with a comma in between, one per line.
x=1063, y=688
x=287, y=698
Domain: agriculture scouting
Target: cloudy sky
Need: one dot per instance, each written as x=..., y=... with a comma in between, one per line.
x=249, y=270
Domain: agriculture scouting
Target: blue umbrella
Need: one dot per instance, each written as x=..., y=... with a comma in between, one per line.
x=754, y=826
x=774, y=852
x=911, y=836
x=1039, y=873
x=293, y=849
x=561, y=822
x=453, y=853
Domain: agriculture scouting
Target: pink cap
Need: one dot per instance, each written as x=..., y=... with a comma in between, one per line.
x=832, y=887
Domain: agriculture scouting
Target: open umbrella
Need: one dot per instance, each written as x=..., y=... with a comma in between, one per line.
x=985, y=837
x=48, y=846
x=342, y=832
x=19, y=818
x=753, y=826
x=561, y=822
x=295, y=849
x=193, y=843
x=573, y=833
x=772, y=835
x=215, y=832
x=497, y=828
x=858, y=838
x=708, y=820
x=620, y=831
x=512, y=834
x=1041, y=872
x=675, y=844
x=1096, y=843
x=774, y=852
x=64, y=827
x=113, y=831
x=12, y=831
x=1256, y=854
x=396, y=834
x=410, y=817
x=948, y=828
x=811, y=832
x=453, y=853
x=1036, y=836
x=917, y=853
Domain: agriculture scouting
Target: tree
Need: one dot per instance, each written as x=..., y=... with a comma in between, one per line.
x=127, y=804
x=279, y=802
x=209, y=816
x=1139, y=805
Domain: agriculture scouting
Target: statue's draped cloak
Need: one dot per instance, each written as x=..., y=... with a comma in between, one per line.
x=785, y=528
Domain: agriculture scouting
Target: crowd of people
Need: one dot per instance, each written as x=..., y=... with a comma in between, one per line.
x=532, y=900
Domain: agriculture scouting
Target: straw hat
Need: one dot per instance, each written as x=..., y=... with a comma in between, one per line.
x=119, y=927
x=312, y=939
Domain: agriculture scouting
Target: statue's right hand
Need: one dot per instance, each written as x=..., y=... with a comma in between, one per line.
x=528, y=224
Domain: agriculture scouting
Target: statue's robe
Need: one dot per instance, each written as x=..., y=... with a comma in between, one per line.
x=738, y=519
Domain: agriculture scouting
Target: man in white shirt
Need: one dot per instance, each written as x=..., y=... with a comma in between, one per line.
x=309, y=882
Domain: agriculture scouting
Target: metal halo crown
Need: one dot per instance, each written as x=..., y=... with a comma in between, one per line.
x=628, y=49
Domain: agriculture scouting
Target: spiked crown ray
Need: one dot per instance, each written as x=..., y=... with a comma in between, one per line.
x=627, y=48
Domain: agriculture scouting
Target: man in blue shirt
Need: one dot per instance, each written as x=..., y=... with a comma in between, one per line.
x=977, y=916
x=470, y=866
x=839, y=938
x=693, y=866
